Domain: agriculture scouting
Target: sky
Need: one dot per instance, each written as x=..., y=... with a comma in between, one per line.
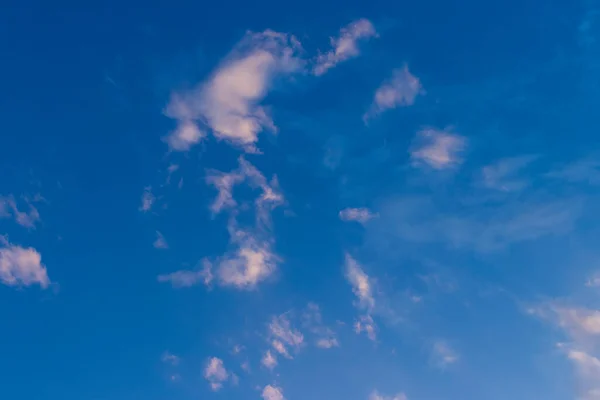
x=285, y=201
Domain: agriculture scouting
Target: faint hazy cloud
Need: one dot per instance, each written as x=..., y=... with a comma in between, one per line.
x=21, y=266
x=345, y=46
x=169, y=358
x=160, y=242
x=378, y=396
x=586, y=171
x=399, y=91
x=187, y=278
x=366, y=324
x=313, y=321
x=229, y=102
x=215, y=373
x=362, y=215
x=283, y=335
x=147, y=199
x=9, y=209
x=438, y=149
x=503, y=175
x=443, y=355
x=269, y=360
x=361, y=283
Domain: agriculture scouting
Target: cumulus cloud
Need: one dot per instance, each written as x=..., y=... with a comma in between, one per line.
x=229, y=102
x=185, y=136
x=160, y=242
x=272, y=393
x=345, y=46
x=147, y=199
x=250, y=264
x=438, y=149
x=215, y=373
x=187, y=278
x=361, y=283
x=400, y=90
x=9, y=209
x=21, y=266
x=362, y=215
x=269, y=360
x=377, y=396
x=444, y=355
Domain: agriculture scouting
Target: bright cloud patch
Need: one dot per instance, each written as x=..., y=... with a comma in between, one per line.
x=250, y=264
x=269, y=360
x=187, y=278
x=215, y=373
x=283, y=334
x=21, y=266
x=365, y=324
x=400, y=90
x=362, y=215
x=185, y=136
x=345, y=46
x=437, y=149
x=229, y=102
x=378, y=396
x=361, y=284
x=272, y=393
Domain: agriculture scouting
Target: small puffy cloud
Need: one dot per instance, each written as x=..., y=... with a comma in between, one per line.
x=160, y=242
x=399, y=91
x=229, y=102
x=9, y=208
x=147, y=199
x=21, y=266
x=250, y=264
x=269, y=360
x=169, y=358
x=503, y=175
x=366, y=324
x=345, y=46
x=215, y=373
x=327, y=343
x=362, y=215
x=444, y=355
x=186, y=278
x=378, y=396
x=185, y=136
x=361, y=284
x=272, y=393
x=438, y=149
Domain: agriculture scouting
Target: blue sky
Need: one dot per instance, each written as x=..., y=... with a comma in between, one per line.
x=323, y=200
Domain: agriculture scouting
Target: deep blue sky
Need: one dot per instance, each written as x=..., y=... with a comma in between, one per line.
x=317, y=200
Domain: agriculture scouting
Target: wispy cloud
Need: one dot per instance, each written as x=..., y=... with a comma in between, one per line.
x=215, y=373
x=160, y=242
x=21, y=266
x=148, y=199
x=585, y=171
x=345, y=46
x=503, y=175
x=443, y=355
x=169, y=358
x=378, y=396
x=9, y=208
x=269, y=360
x=362, y=215
x=366, y=324
x=400, y=90
x=361, y=283
x=187, y=278
x=272, y=393
x=283, y=335
x=313, y=321
x=229, y=102
x=437, y=149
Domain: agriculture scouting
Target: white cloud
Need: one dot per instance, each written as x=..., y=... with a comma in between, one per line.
x=272, y=393
x=345, y=46
x=503, y=174
x=215, y=373
x=147, y=199
x=185, y=136
x=362, y=215
x=283, y=334
x=361, y=285
x=588, y=368
x=22, y=266
x=169, y=358
x=9, y=208
x=437, y=149
x=269, y=360
x=229, y=102
x=579, y=320
x=327, y=343
x=377, y=396
x=443, y=354
x=280, y=348
x=366, y=324
x=399, y=91
x=247, y=266
x=224, y=183
x=186, y=278
x=160, y=242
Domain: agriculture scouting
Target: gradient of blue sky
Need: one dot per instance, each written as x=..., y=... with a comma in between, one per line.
x=319, y=200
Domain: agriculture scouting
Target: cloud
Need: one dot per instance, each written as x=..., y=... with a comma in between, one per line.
x=187, y=278
x=362, y=215
x=366, y=324
x=586, y=171
x=280, y=348
x=503, y=174
x=400, y=90
x=224, y=183
x=313, y=321
x=377, y=396
x=250, y=264
x=9, y=208
x=283, y=334
x=169, y=358
x=443, y=355
x=21, y=266
x=345, y=46
x=160, y=242
x=438, y=149
x=588, y=368
x=147, y=199
x=593, y=281
x=185, y=136
x=269, y=360
x=272, y=393
x=215, y=373
x=361, y=284
x=229, y=102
